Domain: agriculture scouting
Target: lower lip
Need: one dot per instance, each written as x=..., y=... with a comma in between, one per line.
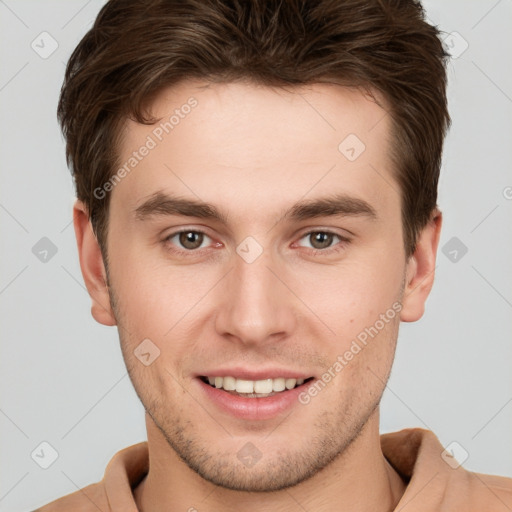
x=253, y=408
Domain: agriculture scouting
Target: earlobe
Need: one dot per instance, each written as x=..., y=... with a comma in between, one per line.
x=420, y=270
x=91, y=263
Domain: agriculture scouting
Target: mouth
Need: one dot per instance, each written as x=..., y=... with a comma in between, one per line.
x=254, y=388
x=253, y=394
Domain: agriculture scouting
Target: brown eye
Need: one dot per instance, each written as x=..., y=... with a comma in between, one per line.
x=186, y=241
x=323, y=242
x=191, y=239
x=321, y=239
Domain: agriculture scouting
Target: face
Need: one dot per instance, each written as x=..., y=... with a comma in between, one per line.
x=257, y=239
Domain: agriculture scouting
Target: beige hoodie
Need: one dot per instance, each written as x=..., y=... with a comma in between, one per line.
x=433, y=485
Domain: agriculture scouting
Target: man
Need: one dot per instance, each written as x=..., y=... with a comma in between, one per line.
x=256, y=213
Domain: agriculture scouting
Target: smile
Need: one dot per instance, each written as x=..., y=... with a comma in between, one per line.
x=254, y=388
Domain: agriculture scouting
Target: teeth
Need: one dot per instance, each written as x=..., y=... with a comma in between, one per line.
x=290, y=383
x=278, y=384
x=229, y=383
x=261, y=387
x=244, y=386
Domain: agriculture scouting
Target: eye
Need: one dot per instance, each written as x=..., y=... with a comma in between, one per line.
x=323, y=241
x=189, y=239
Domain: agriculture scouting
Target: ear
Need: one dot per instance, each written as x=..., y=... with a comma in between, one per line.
x=420, y=270
x=91, y=263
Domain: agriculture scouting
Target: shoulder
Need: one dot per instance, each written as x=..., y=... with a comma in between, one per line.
x=114, y=492
x=432, y=472
x=88, y=499
x=491, y=490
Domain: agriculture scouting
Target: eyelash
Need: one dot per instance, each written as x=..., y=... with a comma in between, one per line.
x=329, y=250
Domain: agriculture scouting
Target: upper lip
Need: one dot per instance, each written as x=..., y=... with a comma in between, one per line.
x=260, y=374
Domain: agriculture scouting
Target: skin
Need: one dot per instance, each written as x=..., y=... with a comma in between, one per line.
x=253, y=152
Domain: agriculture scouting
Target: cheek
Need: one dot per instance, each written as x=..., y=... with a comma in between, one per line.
x=153, y=295
x=360, y=364
x=350, y=298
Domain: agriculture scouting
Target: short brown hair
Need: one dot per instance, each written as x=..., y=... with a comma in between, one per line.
x=138, y=47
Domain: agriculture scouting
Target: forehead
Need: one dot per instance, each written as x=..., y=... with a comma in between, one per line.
x=217, y=141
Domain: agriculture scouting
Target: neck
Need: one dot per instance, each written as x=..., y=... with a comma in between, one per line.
x=358, y=479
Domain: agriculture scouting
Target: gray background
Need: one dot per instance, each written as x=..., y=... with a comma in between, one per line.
x=63, y=379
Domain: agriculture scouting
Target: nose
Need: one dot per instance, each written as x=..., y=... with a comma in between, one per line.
x=256, y=307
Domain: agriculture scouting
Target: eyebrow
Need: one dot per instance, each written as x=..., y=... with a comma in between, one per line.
x=161, y=204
